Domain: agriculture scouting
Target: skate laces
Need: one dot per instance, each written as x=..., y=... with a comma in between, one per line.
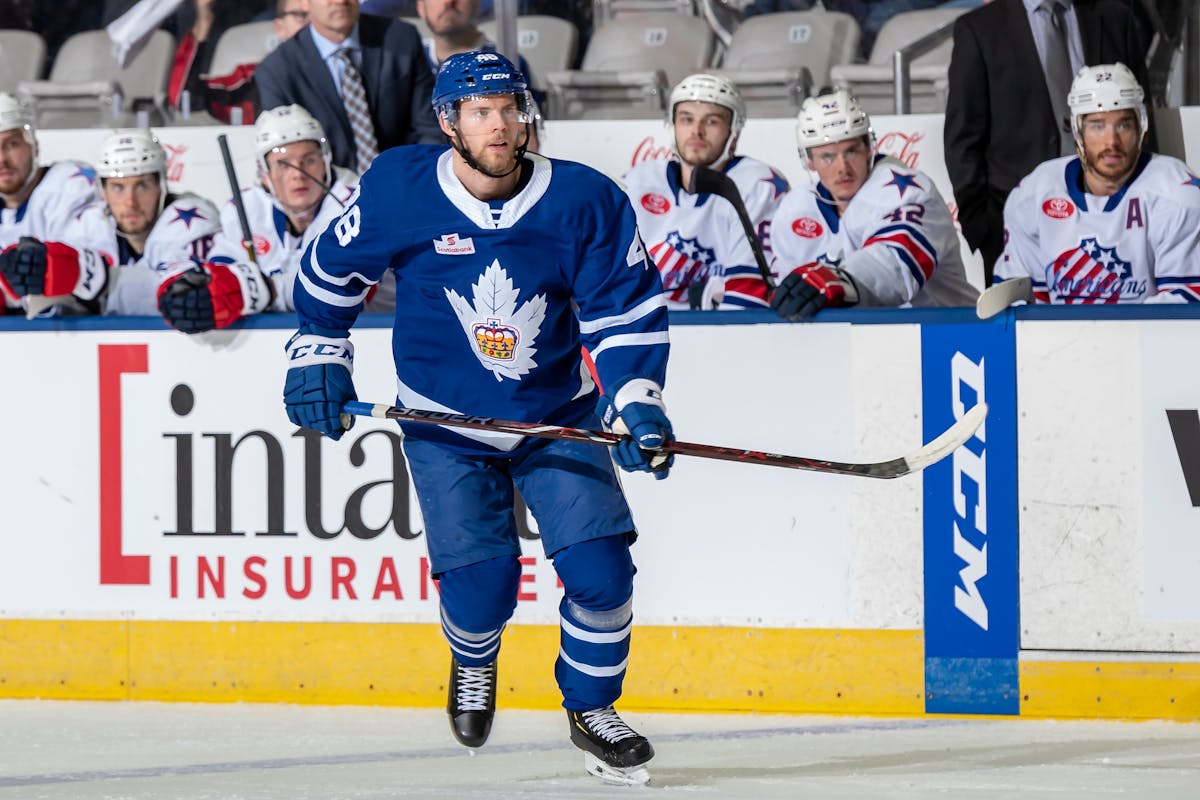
x=605, y=723
x=474, y=687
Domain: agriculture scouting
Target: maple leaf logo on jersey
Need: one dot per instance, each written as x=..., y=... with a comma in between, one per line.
x=501, y=335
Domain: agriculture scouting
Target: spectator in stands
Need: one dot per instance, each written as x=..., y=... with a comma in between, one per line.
x=871, y=232
x=194, y=55
x=365, y=78
x=454, y=24
x=298, y=192
x=1006, y=110
x=696, y=240
x=38, y=205
x=290, y=17
x=1111, y=224
x=140, y=228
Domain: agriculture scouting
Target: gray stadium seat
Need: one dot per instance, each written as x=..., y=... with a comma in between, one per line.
x=873, y=83
x=629, y=66
x=779, y=59
x=86, y=82
x=547, y=43
x=243, y=44
x=21, y=57
x=605, y=10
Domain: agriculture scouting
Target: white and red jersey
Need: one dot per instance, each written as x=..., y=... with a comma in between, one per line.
x=276, y=248
x=895, y=238
x=65, y=189
x=697, y=237
x=1140, y=244
x=181, y=236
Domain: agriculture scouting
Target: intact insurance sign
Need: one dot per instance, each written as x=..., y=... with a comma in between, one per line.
x=972, y=633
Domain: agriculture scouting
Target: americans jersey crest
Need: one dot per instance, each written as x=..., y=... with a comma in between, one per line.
x=500, y=334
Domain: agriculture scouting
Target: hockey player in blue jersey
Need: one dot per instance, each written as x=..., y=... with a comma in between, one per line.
x=506, y=264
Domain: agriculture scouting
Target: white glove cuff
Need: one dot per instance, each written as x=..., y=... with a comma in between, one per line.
x=93, y=275
x=638, y=390
x=306, y=350
x=256, y=288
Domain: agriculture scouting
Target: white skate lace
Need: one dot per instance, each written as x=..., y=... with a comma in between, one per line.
x=474, y=687
x=605, y=723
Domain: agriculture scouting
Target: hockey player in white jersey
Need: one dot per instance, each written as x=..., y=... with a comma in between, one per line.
x=38, y=205
x=1114, y=223
x=870, y=232
x=696, y=240
x=299, y=191
x=506, y=265
x=142, y=230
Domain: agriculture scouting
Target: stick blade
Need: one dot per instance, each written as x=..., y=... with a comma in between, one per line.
x=950, y=440
x=999, y=296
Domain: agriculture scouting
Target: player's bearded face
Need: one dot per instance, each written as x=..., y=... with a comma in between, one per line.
x=843, y=167
x=295, y=192
x=1111, y=142
x=133, y=202
x=490, y=129
x=701, y=131
x=16, y=161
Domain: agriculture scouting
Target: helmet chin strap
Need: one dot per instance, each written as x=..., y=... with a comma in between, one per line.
x=461, y=148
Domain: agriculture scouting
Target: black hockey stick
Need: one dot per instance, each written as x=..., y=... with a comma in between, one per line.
x=945, y=444
x=236, y=189
x=711, y=181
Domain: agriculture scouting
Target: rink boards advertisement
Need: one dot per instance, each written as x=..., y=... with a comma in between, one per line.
x=171, y=536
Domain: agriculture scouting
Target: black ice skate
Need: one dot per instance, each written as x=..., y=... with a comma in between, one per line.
x=612, y=751
x=472, y=702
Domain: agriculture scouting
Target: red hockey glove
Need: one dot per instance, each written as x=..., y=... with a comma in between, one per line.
x=52, y=269
x=808, y=289
x=212, y=295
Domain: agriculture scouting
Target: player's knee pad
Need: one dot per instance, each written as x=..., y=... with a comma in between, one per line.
x=479, y=598
x=597, y=577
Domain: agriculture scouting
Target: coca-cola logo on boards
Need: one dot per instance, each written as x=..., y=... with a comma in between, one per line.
x=901, y=146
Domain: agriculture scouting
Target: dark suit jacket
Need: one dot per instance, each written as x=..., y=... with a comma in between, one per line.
x=395, y=73
x=999, y=122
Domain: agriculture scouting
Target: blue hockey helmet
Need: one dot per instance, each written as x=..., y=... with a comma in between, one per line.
x=476, y=74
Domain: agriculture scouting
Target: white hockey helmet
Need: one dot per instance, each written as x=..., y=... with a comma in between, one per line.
x=1105, y=87
x=705, y=87
x=830, y=118
x=132, y=152
x=279, y=127
x=15, y=115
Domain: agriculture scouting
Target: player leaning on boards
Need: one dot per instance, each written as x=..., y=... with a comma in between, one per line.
x=1114, y=223
x=870, y=232
x=140, y=228
x=505, y=265
x=696, y=240
x=299, y=191
x=38, y=205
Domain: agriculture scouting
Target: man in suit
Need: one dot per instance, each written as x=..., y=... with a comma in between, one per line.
x=1002, y=119
x=364, y=78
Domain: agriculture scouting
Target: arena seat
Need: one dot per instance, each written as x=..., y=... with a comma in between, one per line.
x=21, y=57
x=629, y=66
x=873, y=83
x=779, y=59
x=547, y=43
x=88, y=88
x=243, y=44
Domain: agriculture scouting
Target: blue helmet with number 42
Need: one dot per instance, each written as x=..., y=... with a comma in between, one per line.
x=476, y=74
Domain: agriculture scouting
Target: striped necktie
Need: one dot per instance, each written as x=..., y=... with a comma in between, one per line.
x=354, y=96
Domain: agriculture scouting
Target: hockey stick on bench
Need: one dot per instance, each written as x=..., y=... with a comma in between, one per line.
x=999, y=296
x=711, y=181
x=945, y=444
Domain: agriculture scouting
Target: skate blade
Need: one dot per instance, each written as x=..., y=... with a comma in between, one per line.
x=616, y=776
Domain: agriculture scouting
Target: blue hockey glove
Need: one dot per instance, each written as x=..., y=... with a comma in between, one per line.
x=637, y=409
x=319, y=383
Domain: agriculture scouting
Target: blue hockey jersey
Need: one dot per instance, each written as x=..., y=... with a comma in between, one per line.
x=493, y=301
